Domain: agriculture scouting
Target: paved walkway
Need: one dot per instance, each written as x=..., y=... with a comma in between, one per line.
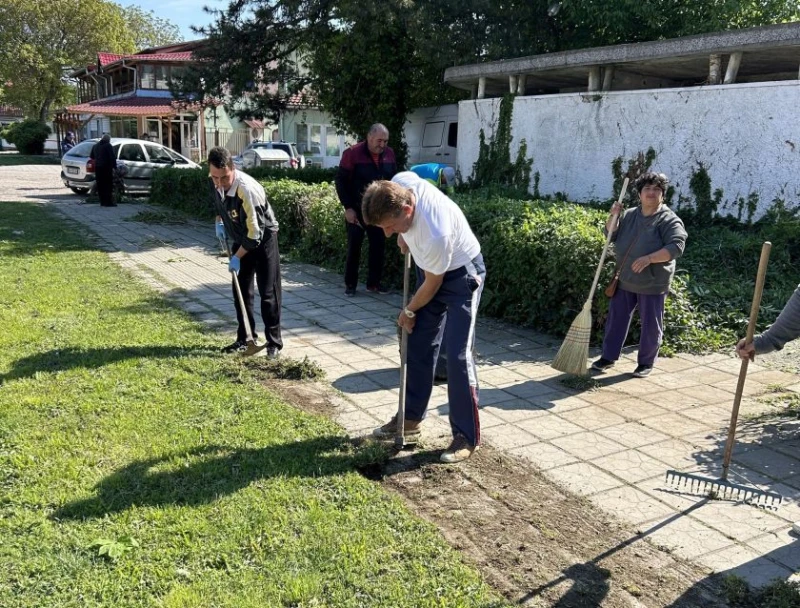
x=612, y=444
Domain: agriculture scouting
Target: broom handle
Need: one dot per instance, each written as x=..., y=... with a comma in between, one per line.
x=751, y=329
x=605, y=248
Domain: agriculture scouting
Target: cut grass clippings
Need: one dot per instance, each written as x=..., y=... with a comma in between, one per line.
x=138, y=467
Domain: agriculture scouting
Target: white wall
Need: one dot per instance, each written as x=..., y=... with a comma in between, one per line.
x=746, y=135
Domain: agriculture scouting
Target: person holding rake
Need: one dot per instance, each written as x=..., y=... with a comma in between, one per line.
x=649, y=237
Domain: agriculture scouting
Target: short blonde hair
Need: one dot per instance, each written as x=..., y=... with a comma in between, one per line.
x=383, y=200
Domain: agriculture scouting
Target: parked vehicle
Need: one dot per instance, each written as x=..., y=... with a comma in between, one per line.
x=431, y=135
x=296, y=160
x=141, y=158
x=262, y=157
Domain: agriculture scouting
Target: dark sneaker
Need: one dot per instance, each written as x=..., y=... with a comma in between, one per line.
x=273, y=352
x=459, y=450
x=602, y=365
x=235, y=347
x=411, y=430
x=378, y=289
x=350, y=292
x=642, y=371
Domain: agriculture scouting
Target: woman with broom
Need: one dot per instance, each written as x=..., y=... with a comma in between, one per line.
x=649, y=238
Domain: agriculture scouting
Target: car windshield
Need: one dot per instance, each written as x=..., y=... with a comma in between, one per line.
x=157, y=154
x=82, y=150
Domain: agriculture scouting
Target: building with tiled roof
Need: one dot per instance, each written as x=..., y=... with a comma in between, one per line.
x=127, y=95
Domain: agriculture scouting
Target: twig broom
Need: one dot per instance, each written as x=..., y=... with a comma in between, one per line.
x=574, y=352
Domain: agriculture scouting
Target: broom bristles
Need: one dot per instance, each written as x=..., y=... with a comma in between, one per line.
x=572, y=357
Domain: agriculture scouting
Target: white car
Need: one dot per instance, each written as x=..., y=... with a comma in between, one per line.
x=141, y=159
x=254, y=151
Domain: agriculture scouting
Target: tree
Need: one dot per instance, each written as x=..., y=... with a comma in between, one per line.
x=41, y=41
x=147, y=30
x=372, y=60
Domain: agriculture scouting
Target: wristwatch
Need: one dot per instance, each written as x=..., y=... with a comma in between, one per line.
x=409, y=313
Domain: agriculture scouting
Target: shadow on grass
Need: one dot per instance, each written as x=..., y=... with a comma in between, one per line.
x=92, y=358
x=204, y=474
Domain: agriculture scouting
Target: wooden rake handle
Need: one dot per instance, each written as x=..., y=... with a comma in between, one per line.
x=751, y=330
x=399, y=439
x=622, y=192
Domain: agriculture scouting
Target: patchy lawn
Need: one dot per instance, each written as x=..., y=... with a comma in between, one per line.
x=139, y=467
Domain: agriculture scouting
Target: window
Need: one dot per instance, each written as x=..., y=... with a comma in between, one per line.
x=123, y=127
x=148, y=78
x=157, y=154
x=176, y=157
x=331, y=142
x=452, y=135
x=432, y=137
x=162, y=75
x=82, y=150
x=315, y=144
x=301, y=137
x=132, y=152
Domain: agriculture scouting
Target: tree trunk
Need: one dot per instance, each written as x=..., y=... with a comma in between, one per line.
x=44, y=111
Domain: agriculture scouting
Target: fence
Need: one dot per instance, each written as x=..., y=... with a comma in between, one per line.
x=234, y=140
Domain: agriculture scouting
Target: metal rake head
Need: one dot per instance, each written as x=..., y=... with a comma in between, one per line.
x=722, y=489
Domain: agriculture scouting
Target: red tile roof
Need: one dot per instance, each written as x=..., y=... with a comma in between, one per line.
x=129, y=106
x=106, y=58
x=302, y=100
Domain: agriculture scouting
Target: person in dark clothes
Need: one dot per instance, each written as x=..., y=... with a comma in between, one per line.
x=361, y=165
x=104, y=164
x=245, y=216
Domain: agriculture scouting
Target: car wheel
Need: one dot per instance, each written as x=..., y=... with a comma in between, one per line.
x=79, y=190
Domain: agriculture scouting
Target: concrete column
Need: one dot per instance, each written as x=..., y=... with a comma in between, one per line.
x=512, y=85
x=594, y=78
x=521, y=84
x=481, y=87
x=734, y=62
x=473, y=93
x=714, y=69
x=608, y=77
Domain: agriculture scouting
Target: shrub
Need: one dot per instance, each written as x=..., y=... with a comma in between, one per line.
x=309, y=175
x=28, y=136
x=541, y=257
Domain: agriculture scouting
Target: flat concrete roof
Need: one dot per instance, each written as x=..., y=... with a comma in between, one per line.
x=769, y=53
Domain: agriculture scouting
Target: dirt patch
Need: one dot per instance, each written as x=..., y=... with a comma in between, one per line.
x=534, y=542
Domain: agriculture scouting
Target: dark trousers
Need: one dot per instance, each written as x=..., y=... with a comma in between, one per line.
x=262, y=263
x=105, y=185
x=450, y=318
x=377, y=245
x=620, y=315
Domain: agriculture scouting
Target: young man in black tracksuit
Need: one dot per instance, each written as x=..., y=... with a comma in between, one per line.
x=361, y=165
x=246, y=218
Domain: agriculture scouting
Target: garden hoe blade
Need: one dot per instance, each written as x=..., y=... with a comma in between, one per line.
x=722, y=488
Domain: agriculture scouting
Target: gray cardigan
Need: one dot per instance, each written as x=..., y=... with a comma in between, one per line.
x=663, y=229
x=785, y=328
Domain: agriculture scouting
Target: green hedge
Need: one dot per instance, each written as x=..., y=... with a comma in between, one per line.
x=309, y=175
x=541, y=257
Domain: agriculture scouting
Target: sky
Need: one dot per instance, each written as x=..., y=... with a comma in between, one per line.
x=183, y=13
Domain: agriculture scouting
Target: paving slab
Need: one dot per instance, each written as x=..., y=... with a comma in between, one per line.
x=612, y=444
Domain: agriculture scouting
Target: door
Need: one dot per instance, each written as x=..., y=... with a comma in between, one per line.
x=332, y=145
x=138, y=174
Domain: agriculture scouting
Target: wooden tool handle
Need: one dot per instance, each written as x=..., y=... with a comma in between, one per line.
x=622, y=192
x=751, y=330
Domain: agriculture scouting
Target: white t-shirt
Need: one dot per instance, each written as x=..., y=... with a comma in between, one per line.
x=440, y=238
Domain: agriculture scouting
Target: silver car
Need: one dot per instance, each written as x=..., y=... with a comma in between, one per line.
x=141, y=159
x=254, y=155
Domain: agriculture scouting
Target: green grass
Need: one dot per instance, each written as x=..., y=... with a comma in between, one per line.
x=12, y=159
x=138, y=467
x=778, y=594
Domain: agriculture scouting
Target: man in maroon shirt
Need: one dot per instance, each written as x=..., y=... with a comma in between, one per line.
x=361, y=165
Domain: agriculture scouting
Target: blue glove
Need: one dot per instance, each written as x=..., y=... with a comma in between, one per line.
x=235, y=265
x=220, y=228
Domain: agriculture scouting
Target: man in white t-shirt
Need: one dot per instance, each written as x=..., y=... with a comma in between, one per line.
x=450, y=278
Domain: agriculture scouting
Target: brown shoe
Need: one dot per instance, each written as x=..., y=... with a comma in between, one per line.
x=411, y=430
x=460, y=449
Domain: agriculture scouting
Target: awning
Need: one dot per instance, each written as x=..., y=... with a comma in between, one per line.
x=130, y=106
